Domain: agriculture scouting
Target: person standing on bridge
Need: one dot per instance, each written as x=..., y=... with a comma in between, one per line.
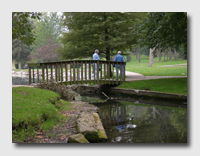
x=95, y=57
x=119, y=58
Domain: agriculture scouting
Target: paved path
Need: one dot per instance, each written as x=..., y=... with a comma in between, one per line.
x=131, y=76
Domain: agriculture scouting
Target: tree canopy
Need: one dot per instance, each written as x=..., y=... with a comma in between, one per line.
x=22, y=28
x=106, y=31
x=165, y=29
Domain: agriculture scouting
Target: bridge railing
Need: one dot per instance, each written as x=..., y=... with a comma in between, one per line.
x=77, y=72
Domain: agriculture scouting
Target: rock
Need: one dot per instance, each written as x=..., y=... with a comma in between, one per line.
x=86, y=125
x=101, y=132
x=89, y=124
x=77, y=138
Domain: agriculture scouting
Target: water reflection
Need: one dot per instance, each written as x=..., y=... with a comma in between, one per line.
x=132, y=123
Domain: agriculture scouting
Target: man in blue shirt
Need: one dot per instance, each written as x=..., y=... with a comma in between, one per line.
x=95, y=57
x=119, y=58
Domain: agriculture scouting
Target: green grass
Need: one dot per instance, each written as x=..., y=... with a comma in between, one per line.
x=35, y=109
x=157, y=69
x=170, y=85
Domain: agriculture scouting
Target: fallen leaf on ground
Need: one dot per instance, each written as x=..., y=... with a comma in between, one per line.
x=39, y=132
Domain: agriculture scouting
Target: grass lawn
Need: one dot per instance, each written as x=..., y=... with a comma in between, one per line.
x=170, y=85
x=35, y=109
x=159, y=68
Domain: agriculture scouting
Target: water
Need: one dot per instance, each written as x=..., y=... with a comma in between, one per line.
x=130, y=122
x=137, y=119
x=20, y=81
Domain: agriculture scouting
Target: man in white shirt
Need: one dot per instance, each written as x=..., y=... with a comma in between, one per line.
x=95, y=57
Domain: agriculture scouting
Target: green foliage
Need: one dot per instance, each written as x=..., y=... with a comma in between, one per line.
x=106, y=31
x=169, y=85
x=49, y=27
x=32, y=110
x=20, y=51
x=165, y=29
x=21, y=26
x=47, y=30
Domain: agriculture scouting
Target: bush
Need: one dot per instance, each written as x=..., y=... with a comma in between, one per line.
x=58, y=88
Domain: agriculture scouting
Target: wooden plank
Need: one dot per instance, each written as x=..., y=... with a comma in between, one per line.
x=74, y=71
x=56, y=68
x=98, y=71
x=33, y=75
x=113, y=73
x=61, y=72
x=86, y=71
x=70, y=73
x=29, y=70
x=51, y=72
x=101, y=72
x=124, y=72
x=47, y=72
x=104, y=72
x=66, y=72
x=43, y=72
x=109, y=69
x=81, y=72
x=37, y=75
x=77, y=72
x=90, y=71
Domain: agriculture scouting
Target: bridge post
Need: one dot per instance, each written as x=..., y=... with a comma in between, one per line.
x=97, y=71
x=42, y=71
x=104, y=72
x=124, y=72
x=74, y=71
x=90, y=71
x=29, y=70
x=51, y=72
x=66, y=72
x=33, y=75
x=47, y=72
x=61, y=72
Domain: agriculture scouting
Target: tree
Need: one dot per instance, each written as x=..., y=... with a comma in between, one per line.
x=107, y=31
x=20, y=52
x=46, y=53
x=50, y=26
x=165, y=29
x=22, y=28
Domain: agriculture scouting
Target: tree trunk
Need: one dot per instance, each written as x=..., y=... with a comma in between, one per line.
x=170, y=54
x=175, y=54
x=107, y=49
x=151, y=56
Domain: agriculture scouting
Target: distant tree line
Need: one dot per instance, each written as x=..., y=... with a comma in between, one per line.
x=42, y=37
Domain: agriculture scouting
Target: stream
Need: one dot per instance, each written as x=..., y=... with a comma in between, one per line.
x=132, y=119
x=141, y=120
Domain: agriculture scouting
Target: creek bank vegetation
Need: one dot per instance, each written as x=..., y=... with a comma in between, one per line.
x=48, y=114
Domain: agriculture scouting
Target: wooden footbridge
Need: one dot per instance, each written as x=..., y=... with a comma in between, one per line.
x=77, y=72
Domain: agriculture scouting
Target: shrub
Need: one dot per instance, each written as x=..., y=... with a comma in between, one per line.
x=58, y=88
